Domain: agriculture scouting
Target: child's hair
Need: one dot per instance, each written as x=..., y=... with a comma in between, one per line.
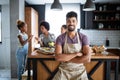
x=20, y=24
x=64, y=26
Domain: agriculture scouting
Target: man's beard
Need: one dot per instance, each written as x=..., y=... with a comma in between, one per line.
x=71, y=28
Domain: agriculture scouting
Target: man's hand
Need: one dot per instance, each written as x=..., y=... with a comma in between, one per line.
x=79, y=54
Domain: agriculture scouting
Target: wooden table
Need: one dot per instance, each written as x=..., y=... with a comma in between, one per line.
x=107, y=59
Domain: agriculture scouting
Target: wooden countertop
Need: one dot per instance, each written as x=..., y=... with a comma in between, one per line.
x=101, y=56
x=36, y=54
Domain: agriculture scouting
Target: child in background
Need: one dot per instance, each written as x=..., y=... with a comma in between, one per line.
x=63, y=28
x=22, y=50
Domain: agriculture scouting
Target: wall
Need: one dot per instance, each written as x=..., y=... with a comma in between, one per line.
x=11, y=11
x=16, y=12
x=21, y=9
x=98, y=37
x=5, y=45
x=0, y=24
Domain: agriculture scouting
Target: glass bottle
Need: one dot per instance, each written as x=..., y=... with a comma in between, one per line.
x=107, y=42
x=104, y=7
x=100, y=8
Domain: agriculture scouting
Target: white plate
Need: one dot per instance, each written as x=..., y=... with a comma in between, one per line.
x=46, y=50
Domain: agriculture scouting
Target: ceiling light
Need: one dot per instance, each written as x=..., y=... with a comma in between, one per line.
x=89, y=6
x=56, y=5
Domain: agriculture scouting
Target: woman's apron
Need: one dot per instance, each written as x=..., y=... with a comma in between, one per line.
x=69, y=70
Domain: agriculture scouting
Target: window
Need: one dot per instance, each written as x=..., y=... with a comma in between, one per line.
x=58, y=18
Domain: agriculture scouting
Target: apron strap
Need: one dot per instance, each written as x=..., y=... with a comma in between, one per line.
x=78, y=39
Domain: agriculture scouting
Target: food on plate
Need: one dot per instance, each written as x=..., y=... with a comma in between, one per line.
x=51, y=44
x=46, y=50
x=98, y=49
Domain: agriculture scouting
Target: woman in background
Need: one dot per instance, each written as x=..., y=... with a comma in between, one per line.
x=46, y=37
x=22, y=50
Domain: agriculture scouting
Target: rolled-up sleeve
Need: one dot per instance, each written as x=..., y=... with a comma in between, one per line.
x=84, y=39
x=59, y=40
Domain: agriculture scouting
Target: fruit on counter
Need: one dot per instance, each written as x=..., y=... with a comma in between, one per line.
x=51, y=44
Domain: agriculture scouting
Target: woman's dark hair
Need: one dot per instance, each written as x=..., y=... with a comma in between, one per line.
x=45, y=24
x=64, y=26
x=71, y=14
x=20, y=24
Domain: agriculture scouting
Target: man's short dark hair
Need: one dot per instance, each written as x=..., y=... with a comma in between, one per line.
x=71, y=14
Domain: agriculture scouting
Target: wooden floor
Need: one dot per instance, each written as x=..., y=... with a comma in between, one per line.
x=5, y=75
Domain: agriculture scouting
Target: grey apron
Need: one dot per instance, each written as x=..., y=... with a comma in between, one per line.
x=69, y=70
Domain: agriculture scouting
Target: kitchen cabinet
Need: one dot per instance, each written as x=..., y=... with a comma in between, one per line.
x=107, y=16
x=117, y=52
x=31, y=18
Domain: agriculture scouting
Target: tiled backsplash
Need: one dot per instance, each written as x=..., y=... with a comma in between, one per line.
x=98, y=37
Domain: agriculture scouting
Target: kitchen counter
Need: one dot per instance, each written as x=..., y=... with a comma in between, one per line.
x=113, y=48
x=45, y=67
